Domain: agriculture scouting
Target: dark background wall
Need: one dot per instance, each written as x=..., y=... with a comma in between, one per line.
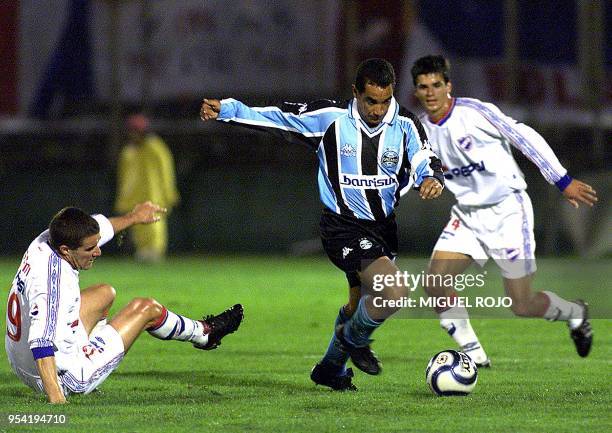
x=240, y=191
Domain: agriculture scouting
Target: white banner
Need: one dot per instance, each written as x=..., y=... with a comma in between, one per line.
x=194, y=47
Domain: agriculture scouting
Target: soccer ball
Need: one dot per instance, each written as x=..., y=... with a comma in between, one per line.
x=451, y=373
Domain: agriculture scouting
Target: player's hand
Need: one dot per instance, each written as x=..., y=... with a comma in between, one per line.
x=210, y=109
x=579, y=192
x=430, y=188
x=147, y=213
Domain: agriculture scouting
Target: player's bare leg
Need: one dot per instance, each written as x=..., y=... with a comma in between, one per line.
x=135, y=317
x=445, y=263
x=551, y=307
x=382, y=266
x=95, y=304
x=353, y=302
x=525, y=303
x=454, y=320
x=148, y=314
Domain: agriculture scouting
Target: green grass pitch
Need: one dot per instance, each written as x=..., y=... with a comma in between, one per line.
x=257, y=381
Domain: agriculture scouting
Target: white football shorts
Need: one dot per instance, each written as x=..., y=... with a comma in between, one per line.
x=503, y=232
x=97, y=357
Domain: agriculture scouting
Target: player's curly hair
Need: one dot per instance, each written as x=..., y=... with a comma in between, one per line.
x=70, y=226
x=431, y=65
x=376, y=71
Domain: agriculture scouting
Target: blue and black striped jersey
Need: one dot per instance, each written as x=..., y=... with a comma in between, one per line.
x=362, y=170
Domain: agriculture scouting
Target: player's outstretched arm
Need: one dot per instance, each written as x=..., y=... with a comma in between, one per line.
x=48, y=375
x=300, y=123
x=210, y=109
x=579, y=192
x=143, y=213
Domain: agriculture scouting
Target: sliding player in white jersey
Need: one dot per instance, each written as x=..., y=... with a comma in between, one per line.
x=57, y=339
x=493, y=216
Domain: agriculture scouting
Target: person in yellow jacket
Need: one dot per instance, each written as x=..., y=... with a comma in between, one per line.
x=146, y=172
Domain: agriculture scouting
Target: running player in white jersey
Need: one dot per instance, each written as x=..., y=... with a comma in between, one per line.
x=58, y=340
x=493, y=217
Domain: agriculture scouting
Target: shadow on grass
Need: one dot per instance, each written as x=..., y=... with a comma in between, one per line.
x=212, y=382
x=146, y=387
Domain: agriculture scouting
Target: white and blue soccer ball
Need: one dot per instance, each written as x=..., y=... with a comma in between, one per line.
x=451, y=373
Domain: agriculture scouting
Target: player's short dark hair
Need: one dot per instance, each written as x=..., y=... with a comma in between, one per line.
x=431, y=65
x=376, y=71
x=70, y=226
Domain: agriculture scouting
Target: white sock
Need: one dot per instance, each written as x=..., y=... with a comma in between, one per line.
x=457, y=324
x=172, y=326
x=560, y=309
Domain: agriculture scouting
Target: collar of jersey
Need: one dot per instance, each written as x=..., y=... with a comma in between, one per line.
x=447, y=115
x=388, y=119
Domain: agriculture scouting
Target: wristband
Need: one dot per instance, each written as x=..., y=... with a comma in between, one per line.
x=563, y=182
x=43, y=352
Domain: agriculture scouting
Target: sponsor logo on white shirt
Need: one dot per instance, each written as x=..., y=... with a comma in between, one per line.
x=465, y=171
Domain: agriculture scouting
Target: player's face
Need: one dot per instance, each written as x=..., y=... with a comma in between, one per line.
x=373, y=103
x=83, y=257
x=433, y=94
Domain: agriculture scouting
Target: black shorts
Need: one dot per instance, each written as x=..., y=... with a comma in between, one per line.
x=351, y=242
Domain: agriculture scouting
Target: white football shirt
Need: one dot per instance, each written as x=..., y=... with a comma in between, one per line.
x=44, y=303
x=473, y=141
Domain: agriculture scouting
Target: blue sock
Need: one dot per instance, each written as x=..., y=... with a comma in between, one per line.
x=358, y=329
x=335, y=356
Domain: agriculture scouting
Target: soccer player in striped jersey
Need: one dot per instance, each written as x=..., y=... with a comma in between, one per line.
x=493, y=217
x=369, y=149
x=58, y=340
